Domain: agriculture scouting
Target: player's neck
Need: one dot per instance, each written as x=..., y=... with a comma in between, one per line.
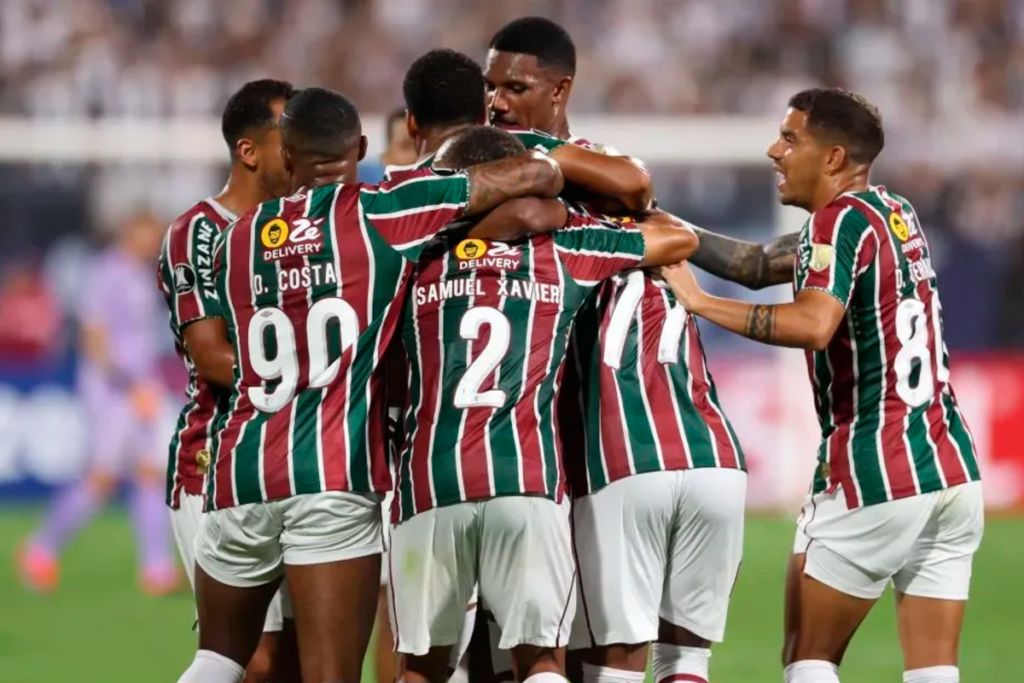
x=429, y=141
x=831, y=191
x=242, y=192
x=560, y=128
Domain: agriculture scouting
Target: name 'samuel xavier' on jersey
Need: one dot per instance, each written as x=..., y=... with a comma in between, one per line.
x=486, y=329
x=312, y=287
x=647, y=400
x=890, y=423
x=185, y=276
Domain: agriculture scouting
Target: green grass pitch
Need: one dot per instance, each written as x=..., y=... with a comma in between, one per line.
x=98, y=628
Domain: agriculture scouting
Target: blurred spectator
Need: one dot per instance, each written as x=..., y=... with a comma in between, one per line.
x=29, y=315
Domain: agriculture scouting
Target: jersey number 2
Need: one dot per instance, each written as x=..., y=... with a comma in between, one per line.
x=622, y=318
x=284, y=366
x=467, y=392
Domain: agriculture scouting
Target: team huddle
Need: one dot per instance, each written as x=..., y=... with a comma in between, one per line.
x=501, y=338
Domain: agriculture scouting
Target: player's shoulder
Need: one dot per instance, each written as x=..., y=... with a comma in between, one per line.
x=201, y=211
x=846, y=213
x=533, y=138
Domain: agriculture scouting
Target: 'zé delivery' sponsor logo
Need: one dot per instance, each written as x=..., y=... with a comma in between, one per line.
x=480, y=254
x=300, y=237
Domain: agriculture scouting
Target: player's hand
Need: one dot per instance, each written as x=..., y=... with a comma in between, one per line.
x=145, y=400
x=684, y=285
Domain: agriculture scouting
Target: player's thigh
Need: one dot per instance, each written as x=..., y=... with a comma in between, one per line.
x=241, y=546
x=113, y=429
x=185, y=522
x=940, y=561
x=856, y=551
x=331, y=544
x=705, y=551
x=622, y=534
x=527, y=570
x=433, y=575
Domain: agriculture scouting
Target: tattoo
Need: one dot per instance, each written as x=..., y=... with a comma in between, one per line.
x=747, y=263
x=495, y=182
x=761, y=323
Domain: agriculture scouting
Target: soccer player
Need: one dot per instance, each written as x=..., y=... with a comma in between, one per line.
x=249, y=125
x=119, y=383
x=401, y=148
x=311, y=287
x=659, y=450
x=479, y=498
x=897, y=494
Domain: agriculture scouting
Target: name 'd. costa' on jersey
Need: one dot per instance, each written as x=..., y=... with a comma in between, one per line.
x=473, y=254
x=301, y=237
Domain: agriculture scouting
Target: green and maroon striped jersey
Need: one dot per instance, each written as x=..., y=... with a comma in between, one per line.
x=187, y=282
x=891, y=427
x=313, y=287
x=649, y=403
x=486, y=329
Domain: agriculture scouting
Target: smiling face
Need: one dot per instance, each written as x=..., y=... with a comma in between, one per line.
x=523, y=93
x=800, y=160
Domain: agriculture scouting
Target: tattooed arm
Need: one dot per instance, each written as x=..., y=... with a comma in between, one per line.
x=530, y=174
x=749, y=264
x=807, y=323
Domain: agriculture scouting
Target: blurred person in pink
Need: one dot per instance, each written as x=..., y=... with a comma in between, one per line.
x=29, y=316
x=121, y=323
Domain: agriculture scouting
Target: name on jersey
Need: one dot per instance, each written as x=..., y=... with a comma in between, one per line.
x=300, y=277
x=204, y=260
x=467, y=287
x=920, y=271
x=473, y=254
x=300, y=237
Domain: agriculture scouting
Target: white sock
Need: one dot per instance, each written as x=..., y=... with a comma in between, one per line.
x=605, y=674
x=545, y=677
x=933, y=674
x=678, y=664
x=210, y=667
x=812, y=671
x=469, y=621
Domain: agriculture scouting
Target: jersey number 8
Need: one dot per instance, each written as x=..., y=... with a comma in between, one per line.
x=284, y=366
x=915, y=351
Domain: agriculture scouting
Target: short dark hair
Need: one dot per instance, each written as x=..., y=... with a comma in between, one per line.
x=320, y=122
x=478, y=145
x=395, y=115
x=249, y=109
x=843, y=117
x=445, y=88
x=540, y=37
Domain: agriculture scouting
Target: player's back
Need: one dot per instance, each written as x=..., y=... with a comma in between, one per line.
x=890, y=423
x=486, y=329
x=313, y=286
x=649, y=401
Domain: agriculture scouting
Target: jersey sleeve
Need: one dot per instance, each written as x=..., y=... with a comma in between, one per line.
x=536, y=139
x=187, y=271
x=839, y=245
x=594, y=250
x=411, y=210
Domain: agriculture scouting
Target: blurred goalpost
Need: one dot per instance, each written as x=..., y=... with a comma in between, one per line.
x=684, y=141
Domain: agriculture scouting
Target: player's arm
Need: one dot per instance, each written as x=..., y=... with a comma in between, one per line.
x=206, y=341
x=522, y=217
x=621, y=179
x=750, y=264
x=809, y=322
x=530, y=174
x=667, y=240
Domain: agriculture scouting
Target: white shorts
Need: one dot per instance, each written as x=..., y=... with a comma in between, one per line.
x=661, y=545
x=517, y=548
x=924, y=544
x=186, y=521
x=385, y=509
x=249, y=545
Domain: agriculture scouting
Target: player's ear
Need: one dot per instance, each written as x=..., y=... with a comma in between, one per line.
x=411, y=126
x=836, y=159
x=362, y=147
x=286, y=160
x=563, y=87
x=245, y=151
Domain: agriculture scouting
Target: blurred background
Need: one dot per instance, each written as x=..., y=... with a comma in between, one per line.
x=109, y=119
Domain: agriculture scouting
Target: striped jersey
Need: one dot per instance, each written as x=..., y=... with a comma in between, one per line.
x=486, y=329
x=186, y=279
x=313, y=287
x=648, y=400
x=891, y=427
